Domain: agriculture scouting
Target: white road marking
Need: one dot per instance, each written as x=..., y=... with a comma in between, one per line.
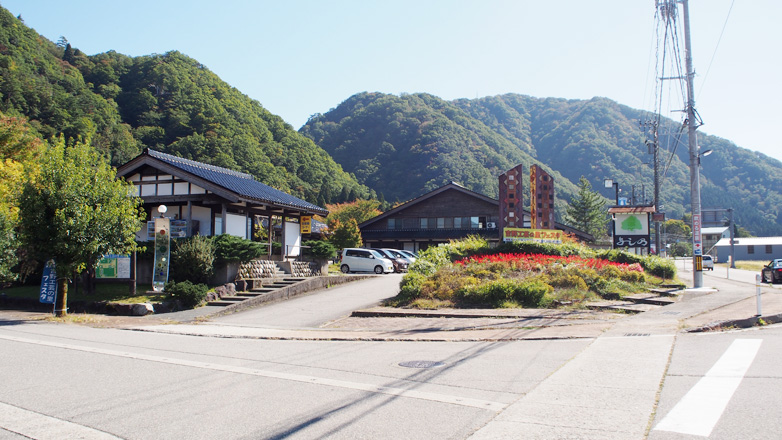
x=42, y=427
x=701, y=408
x=413, y=394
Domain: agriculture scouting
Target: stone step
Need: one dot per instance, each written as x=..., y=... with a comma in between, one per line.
x=648, y=298
x=666, y=292
x=622, y=306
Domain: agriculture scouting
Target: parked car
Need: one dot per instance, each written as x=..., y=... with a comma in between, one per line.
x=708, y=262
x=400, y=264
x=412, y=256
x=364, y=260
x=772, y=273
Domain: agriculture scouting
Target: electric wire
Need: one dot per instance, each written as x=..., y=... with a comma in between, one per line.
x=719, y=40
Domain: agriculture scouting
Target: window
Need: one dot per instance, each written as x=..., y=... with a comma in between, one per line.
x=769, y=249
x=392, y=223
x=424, y=223
x=750, y=249
x=440, y=222
x=457, y=222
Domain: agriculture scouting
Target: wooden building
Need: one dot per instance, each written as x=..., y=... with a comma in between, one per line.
x=450, y=212
x=205, y=199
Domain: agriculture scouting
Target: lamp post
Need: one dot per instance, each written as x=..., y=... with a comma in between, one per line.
x=608, y=183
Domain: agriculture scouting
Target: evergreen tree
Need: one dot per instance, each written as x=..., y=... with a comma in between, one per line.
x=585, y=211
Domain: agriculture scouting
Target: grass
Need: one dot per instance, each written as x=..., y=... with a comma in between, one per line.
x=103, y=292
x=754, y=266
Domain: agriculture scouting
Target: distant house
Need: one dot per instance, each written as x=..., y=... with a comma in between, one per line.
x=448, y=213
x=205, y=199
x=710, y=237
x=750, y=248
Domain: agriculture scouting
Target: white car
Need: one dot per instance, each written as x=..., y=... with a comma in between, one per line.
x=364, y=260
x=708, y=262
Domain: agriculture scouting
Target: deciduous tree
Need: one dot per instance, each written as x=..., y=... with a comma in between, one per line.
x=75, y=211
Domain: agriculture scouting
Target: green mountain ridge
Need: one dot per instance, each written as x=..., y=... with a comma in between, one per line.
x=372, y=144
x=169, y=102
x=402, y=146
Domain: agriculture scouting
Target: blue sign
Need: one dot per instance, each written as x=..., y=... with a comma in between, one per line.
x=48, y=284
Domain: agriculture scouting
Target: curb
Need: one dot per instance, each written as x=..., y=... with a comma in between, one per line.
x=753, y=321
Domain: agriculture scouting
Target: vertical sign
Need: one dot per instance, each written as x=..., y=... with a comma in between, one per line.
x=48, y=284
x=511, y=199
x=162, y=243
x=306, y=224
x=542, y=200
x=697, y=243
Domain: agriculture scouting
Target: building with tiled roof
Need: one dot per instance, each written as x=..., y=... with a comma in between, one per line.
x=205, y=199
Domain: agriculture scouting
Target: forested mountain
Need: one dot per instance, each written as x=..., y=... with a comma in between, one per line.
x=401, y=146
x=169, y=102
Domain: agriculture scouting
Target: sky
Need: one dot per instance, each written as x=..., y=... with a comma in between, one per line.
x=303, y=57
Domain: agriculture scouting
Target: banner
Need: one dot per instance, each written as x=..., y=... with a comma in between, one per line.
x=48, y=283
x=535, y=235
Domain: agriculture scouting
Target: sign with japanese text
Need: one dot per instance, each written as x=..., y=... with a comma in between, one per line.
x=697, y=243
x=631, y=230
x=306, y=224
x=48, y=292
x=113, y=267
x=536, y=235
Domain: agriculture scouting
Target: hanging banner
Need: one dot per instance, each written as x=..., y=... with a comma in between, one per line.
x=162, y=249
x=48, y=284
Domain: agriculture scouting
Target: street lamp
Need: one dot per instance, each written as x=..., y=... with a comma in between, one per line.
x=608, y=183
x=704, y=154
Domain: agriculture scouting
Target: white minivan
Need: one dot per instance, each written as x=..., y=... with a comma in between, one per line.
x=364, y=260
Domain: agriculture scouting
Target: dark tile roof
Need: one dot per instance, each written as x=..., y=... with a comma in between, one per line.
x=241, y=184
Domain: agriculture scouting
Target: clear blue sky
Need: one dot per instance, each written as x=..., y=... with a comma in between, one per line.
x=298, y=58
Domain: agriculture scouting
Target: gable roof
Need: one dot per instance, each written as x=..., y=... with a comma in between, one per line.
x=456, y=187
x=226, y=183
x=429, y=195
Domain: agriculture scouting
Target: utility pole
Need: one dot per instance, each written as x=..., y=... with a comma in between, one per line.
x=654, y=146
x=695, y=184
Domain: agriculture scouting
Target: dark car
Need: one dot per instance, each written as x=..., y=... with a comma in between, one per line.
x=400, y=264
x=772, y=273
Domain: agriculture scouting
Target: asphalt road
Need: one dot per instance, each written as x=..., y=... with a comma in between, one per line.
x=641, y=377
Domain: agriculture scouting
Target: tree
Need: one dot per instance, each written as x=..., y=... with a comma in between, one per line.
x=359, y=210
x=677, y=230
x=19, y=152
x=75, y=211
x=345, y=235
x=585, y=211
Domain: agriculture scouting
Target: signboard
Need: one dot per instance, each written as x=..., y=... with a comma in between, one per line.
x=535, y=235
x=697, y=243
x=633, y=241
x=113, y=267
x=631, y=230
x=306, y=224
x=48, y=292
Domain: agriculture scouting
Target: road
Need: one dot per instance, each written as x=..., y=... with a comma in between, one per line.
x=71, y=381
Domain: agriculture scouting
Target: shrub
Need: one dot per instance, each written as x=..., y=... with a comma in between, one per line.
x=659, y=267
x=320, y=249
x=232, y=248
x=192, y=259
x=503, y=291
x=188, y=294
